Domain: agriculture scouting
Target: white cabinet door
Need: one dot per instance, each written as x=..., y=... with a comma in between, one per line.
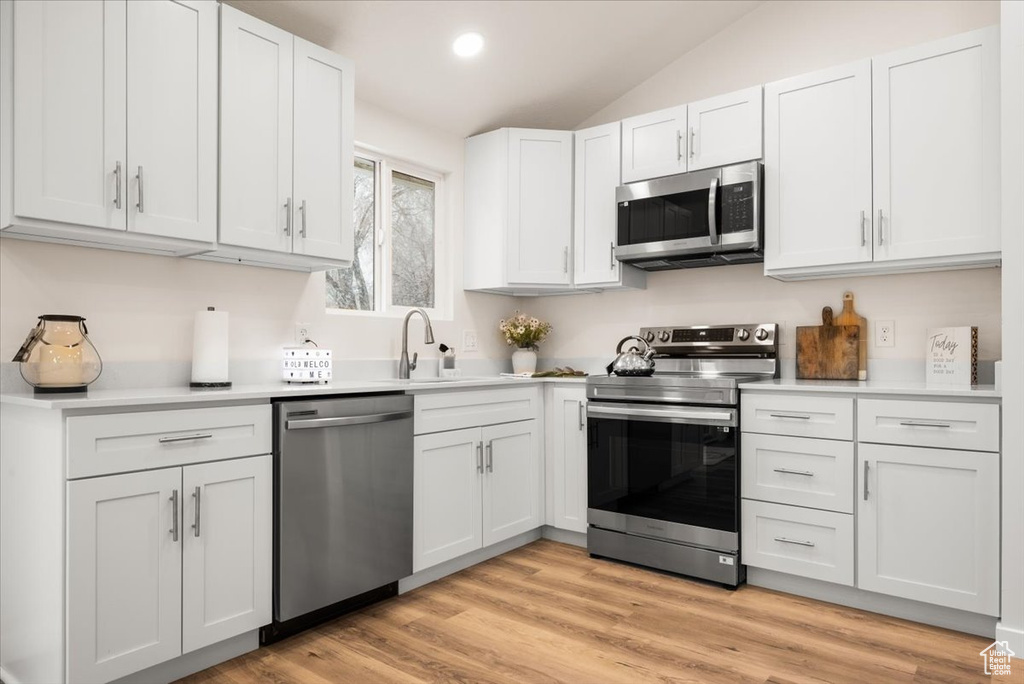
x=654, y=144
x=69, y=112
x=255, y=133
x=569, y=458
x=539, y=207
x=124, y=573
x=928, y=525
x=597, y=168
x=227, y=549
x=447, y=469
x=725, y=129
x=817, y=169
x=512, y=495
x=172, y=118
x=324, y=176
x=936, y=148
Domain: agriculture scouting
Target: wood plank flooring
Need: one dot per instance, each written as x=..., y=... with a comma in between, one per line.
x=547, y=612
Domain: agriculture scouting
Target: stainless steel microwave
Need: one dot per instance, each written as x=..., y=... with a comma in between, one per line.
x=711, y=217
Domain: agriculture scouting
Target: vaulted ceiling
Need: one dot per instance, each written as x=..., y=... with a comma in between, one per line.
x=545, y=64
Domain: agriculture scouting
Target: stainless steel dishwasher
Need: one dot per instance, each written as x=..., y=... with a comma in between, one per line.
x=343, y=501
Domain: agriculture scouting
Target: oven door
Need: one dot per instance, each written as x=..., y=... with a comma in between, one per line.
x=666, y=472
x=701, y=212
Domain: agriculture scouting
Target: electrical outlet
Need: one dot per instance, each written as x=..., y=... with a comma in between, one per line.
x=303, y=332
x=885, y=333
x=469, y=342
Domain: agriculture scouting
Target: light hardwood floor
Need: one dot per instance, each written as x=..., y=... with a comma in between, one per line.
x=549, y=613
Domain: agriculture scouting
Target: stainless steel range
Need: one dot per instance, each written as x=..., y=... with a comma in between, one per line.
x=663, y=451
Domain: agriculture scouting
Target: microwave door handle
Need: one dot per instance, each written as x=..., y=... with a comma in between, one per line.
x=712, y=218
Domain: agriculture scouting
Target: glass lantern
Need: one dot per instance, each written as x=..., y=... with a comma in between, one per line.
x=57, y=356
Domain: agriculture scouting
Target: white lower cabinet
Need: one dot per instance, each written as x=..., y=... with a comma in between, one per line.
x=928, y=525
x=124, y=574
x=567, y=458
x=473, y=488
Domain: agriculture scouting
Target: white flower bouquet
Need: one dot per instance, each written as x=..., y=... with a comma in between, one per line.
x=524, y=331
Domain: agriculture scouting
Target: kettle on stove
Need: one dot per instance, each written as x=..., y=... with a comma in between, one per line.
x=632, y=362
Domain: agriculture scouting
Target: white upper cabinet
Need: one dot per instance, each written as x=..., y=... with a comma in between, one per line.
x=255, y=133
x=936, y=148
x=286, y=175
x=518, y=211
x=817, y=164
x=69, y=112
x=324, y=111
x=725, y=129
x=654, y=144
x=172, y=118
x=595, y=217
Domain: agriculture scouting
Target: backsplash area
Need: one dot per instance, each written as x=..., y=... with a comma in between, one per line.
x=587, y=327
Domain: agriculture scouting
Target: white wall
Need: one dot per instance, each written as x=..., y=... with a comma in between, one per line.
x=140, y=307
x=778, y=40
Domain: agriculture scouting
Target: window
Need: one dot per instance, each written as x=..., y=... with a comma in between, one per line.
x=397, y=242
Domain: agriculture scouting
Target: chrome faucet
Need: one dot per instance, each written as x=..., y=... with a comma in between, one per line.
x=404, y=365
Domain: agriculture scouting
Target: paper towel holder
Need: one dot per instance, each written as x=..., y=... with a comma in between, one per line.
x=219, y=384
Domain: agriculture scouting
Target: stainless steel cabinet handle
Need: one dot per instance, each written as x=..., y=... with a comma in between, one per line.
x=195, y=495
x=915, y=423
x=302, y=227
x=288, y=216
x=712, y=219
x=798, y=542
x=345, y=421
x=117, y=185
x=565, y=260
x=796, y=416
x=141, y=204
x=863, y=229
x=174, y=515
x=881, y=231
x=490, y=456
x=692, y=131
x=679, y=145
x=480, y=457
x=185, y=438
x=787, y=471
x=866, y=467
x=611, y=248
x=579, y=405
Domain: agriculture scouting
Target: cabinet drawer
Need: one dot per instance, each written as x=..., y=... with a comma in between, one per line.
x=799, y=541
x=120, y=442
x=797, y=415
x=943, y=424
x=817, y=473
x=437, y=412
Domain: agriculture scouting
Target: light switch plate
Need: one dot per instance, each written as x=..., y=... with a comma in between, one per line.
x=469, y=341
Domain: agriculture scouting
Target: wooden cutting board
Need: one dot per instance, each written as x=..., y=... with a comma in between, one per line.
x=827, y=351
x=849, y=316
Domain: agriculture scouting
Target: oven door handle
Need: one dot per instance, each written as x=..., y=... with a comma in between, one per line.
x=693, y=415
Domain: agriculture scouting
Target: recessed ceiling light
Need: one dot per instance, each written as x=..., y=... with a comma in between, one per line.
x=468, y=44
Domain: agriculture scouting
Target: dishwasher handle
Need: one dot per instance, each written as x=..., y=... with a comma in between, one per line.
x=346, y=421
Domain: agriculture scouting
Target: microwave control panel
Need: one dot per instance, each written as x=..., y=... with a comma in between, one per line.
x=738, y=210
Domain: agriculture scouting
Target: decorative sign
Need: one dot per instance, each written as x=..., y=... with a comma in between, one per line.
x=951, y=356
x=307, y=364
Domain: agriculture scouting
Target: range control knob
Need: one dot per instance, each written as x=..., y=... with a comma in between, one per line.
x=649, y=335
x=664, y=335
x=742, y=334
x=761, y=334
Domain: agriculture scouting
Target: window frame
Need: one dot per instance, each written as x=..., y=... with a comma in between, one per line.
x=384, y=165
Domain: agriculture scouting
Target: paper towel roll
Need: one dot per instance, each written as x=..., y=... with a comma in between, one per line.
x=210, y=348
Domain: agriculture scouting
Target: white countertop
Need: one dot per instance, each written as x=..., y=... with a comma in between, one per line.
x=109, y=398
x=873, y=387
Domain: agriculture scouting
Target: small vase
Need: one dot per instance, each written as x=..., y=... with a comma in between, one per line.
x=524, y=361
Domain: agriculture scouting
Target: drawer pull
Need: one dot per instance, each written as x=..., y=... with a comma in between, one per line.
x=787, y=471
x=917, y=423
x=797, y=416
x=185, y=438
x=798, y=542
